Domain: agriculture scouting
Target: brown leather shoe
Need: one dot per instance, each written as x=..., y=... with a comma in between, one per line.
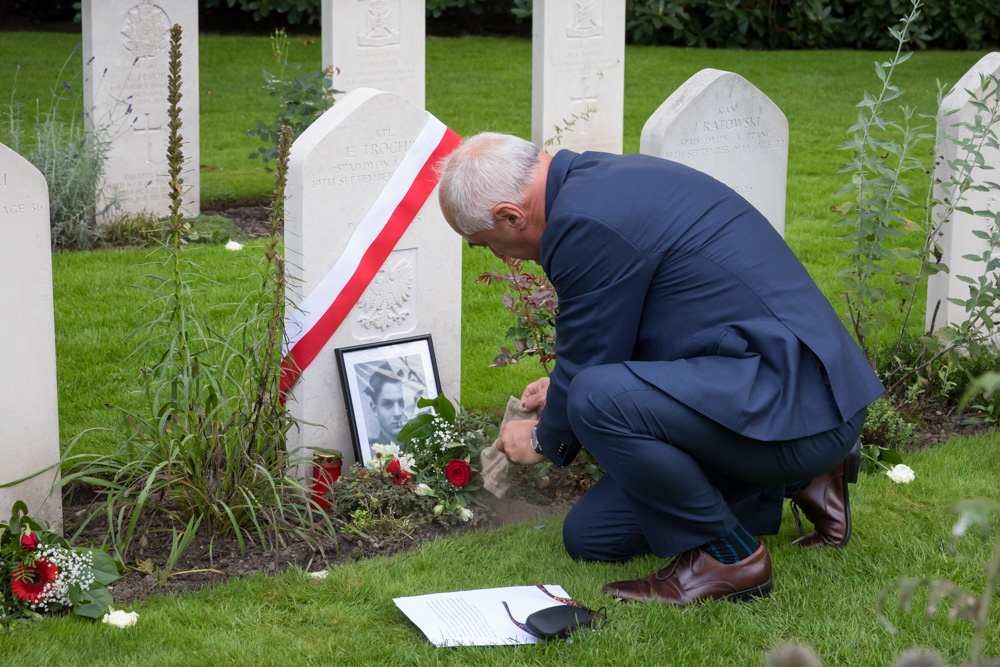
x=694, y=576
x=826, y=503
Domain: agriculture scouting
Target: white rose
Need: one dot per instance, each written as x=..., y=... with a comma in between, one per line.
x=901, y=474
x=233, y=245
x=406, y=462
x=120, y=618
x=465, y=513
x=423, y=490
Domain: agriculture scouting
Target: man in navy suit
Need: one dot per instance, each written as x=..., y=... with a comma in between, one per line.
x=696, y=360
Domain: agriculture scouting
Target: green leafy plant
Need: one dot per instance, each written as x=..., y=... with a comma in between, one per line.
x=40, y=573
x=882, y=262
x=884, y=436
x=533, y=300
x=962, y=604
x=369, y=502
x=304, y=96
x=983, y=394
x=207, y=450
x=70, y=148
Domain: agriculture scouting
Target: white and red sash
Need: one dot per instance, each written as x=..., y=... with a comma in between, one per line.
x=310, y=326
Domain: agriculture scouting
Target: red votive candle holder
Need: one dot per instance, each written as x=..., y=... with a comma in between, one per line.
x=326, y=471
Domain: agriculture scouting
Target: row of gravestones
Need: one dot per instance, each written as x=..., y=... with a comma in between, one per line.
x=578, y=54
x=717, y=122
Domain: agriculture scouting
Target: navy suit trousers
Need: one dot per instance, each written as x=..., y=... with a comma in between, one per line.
x=675, y=479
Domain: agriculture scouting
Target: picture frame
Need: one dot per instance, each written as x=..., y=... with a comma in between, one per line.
x=382, y=383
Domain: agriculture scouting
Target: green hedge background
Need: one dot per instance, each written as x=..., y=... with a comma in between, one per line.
x=748, y=24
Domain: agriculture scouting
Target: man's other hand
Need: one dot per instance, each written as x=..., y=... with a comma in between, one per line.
x=534, y=395
x=515, y=443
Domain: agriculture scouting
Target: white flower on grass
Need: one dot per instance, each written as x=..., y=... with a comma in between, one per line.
x=901, y=474
x=233, y=245
x=322, y=574
x=465, y=513
x=120, y=618
x=423, y=490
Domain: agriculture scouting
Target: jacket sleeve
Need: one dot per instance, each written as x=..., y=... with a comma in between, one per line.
x=601, y=280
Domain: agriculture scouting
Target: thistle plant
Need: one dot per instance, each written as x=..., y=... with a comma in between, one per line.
x=207, y=450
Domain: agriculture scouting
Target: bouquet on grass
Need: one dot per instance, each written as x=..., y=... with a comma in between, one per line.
x=40, y=573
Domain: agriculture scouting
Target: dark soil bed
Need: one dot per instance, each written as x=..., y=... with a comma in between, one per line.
x=205, y=564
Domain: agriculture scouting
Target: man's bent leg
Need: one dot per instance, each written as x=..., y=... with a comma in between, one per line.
x=601, y=526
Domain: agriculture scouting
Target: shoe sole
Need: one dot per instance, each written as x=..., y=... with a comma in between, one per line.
x=762, y=591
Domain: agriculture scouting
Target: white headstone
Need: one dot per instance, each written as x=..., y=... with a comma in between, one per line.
x=956, y=237
x=578, y=75
x=375, y=44
x=721, y=124
x=125, y=53
x=337, y=169
x=29, y=412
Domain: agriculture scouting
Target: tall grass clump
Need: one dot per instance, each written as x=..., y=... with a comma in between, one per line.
x=71, y=150
x=207, y=450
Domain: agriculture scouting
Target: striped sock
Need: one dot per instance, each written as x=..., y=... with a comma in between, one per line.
x=732, y=548
x=791, y=488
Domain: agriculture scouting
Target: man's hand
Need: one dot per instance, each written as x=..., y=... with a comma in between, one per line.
x=515, y=443
x=534, y=395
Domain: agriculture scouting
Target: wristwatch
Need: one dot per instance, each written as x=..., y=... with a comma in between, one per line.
x=534, y=441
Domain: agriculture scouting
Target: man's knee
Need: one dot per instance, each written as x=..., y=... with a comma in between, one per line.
x=590, y=393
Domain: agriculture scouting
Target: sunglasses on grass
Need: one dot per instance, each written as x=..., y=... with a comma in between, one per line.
x=558, y=621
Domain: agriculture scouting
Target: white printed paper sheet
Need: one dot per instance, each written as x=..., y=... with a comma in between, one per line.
x=477, y=618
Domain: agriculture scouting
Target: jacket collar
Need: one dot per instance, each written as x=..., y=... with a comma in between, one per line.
x=558, y=170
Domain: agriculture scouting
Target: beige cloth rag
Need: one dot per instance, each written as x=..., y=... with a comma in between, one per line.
x=498, y=473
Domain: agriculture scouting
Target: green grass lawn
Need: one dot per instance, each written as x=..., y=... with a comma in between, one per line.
x=824, y=598
x=473, y=84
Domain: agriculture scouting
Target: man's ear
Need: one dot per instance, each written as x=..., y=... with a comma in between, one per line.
x=510, y=214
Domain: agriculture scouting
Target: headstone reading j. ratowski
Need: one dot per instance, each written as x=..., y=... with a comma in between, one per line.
x=337, y=169
x=29, y=413
x=957, y=238
x=126, y=44
x=375, y=44
x=578, y=75
x=721, y=124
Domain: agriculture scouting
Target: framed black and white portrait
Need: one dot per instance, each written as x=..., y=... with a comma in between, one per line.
x=382, y=384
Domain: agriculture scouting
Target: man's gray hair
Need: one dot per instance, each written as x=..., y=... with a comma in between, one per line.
x=486, y=169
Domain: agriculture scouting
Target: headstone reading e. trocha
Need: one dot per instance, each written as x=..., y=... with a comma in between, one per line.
x=578, y=75
x=29, y=413
x=125, y=53
x=375, y=44
x=721, y=124
x=957, y=237
x=342, y=171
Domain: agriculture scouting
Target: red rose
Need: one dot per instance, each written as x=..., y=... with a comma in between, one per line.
x=396, y=473
x=458, y=472
x=28, y=581
x=29, y=540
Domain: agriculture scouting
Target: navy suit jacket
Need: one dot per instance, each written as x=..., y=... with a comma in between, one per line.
x=662, y=267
